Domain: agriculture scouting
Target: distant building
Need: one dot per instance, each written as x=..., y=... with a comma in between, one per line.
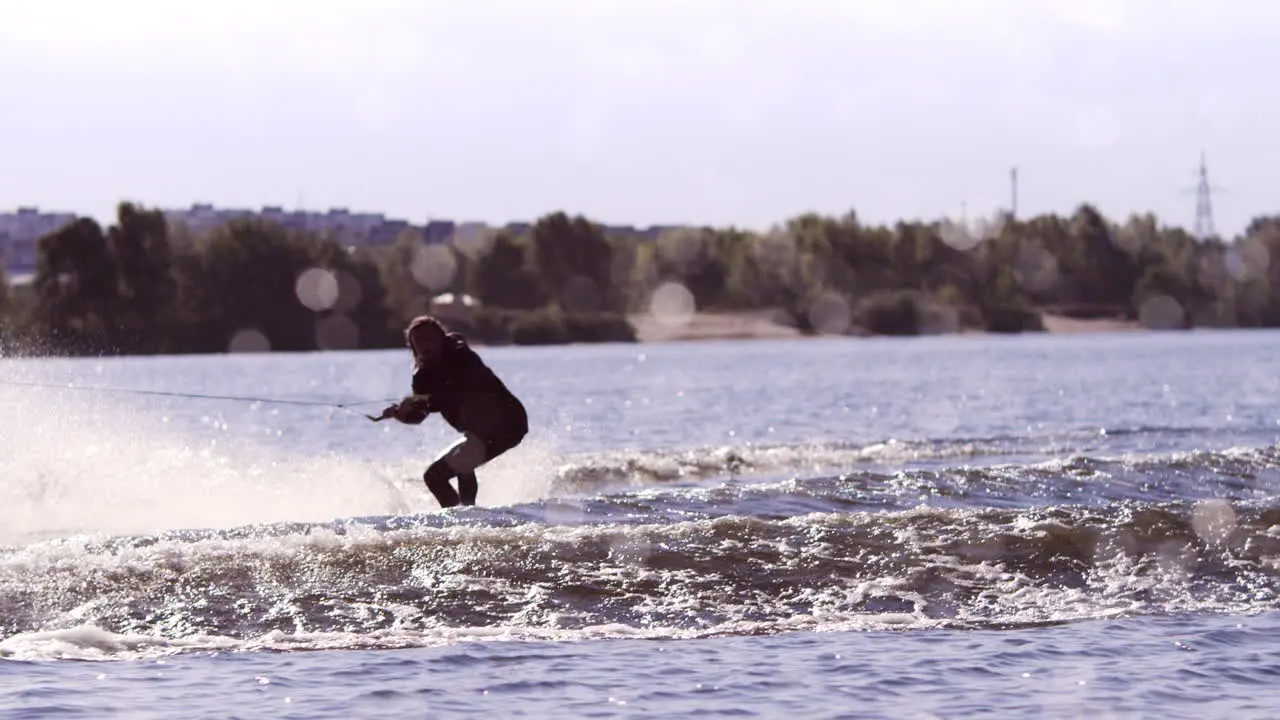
x=339, y=223
x=438, y=231
x=20, y=234
x=20, y=231
x=388, y=232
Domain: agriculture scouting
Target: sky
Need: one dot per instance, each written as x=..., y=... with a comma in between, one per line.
x=642, y=111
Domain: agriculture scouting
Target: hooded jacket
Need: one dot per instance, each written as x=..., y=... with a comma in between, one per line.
x=468, y=395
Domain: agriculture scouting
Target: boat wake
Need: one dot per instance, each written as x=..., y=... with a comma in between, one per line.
x=739, y=540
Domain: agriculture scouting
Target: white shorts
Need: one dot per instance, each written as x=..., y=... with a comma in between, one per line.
x=466, y=454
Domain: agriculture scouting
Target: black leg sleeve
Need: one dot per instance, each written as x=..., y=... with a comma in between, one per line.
x=437, y=478
x=468, y=487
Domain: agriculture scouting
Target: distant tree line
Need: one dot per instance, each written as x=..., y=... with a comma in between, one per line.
x=143, y=285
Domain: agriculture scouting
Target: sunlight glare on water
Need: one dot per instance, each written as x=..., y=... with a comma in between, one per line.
x=952, y=495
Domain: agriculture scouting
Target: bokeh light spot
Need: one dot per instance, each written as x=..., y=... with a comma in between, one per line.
x=628, y=550
x=830, y=314
x=937, y=418
x=350, y=292
x=1035, y=268
x=1213, y=521
x=1161, y=312
x=968, y=234
x=1248, y=259
x=434, y=266
x=249, y=340
x=337, y=332
x=1212, y=273
x=474, y=242
x=316, y=288
x=672, y=304
x=775, y=249
x=681, y=248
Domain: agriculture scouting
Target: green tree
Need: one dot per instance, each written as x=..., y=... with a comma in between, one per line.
x=76, y=291
x=147, y=287
x=1103, y=271
x=360, y=302
x=144, y=286
x=245, y=281
x=691, y=257
x=503, y=278
x=404, y=296
x=4, y=296
x=574, y=262
x=736, y=250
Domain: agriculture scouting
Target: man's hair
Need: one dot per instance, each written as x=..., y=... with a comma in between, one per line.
x=424, y=321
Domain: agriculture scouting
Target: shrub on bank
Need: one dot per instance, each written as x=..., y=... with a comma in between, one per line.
x=545, y=326
x=893, y=312
x=1011, y=318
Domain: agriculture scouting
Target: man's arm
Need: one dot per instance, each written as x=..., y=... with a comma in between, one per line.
x=411, y=410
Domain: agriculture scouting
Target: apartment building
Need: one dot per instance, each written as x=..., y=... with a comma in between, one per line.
x=20, y=233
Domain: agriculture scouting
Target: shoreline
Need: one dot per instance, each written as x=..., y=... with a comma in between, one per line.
x=761, y=325
x=1062, y=324
x=743, y=325
x=734, y=326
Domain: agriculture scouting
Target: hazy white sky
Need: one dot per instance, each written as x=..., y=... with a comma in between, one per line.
x=641, y=111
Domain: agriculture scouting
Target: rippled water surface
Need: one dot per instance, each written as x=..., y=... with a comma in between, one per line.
x=930, y=527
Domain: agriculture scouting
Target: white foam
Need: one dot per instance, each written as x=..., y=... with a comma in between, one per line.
x=90, y=642
x=894, y=595
x=70, y=466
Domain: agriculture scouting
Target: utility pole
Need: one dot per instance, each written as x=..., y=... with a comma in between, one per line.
x=1013, y=183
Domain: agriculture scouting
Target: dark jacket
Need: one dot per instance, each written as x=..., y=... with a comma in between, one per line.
x=468, y=395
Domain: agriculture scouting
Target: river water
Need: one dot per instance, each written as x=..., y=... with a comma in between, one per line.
x=955, y=526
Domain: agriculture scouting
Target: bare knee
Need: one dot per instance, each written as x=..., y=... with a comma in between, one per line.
x=438, y=476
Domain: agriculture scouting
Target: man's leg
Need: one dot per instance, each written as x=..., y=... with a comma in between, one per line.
x=468, y=486
x=458, y=460
x=437, y=478
x=467, y=483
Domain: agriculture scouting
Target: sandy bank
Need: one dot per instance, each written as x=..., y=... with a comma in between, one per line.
x=712, y=326
x=1063, y=324
x=761, y=325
